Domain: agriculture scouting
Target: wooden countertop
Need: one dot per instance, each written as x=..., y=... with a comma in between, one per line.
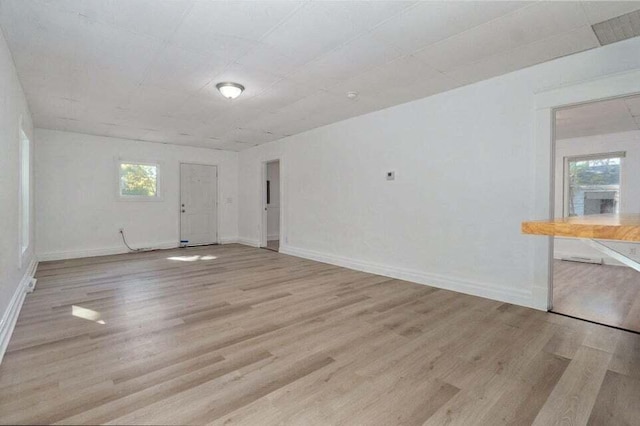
x=624, y=227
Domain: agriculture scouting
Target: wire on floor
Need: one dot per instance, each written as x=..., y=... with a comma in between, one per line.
x=136, y=250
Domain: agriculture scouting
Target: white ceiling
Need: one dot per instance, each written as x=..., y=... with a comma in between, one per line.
x=599, y=118
x=147, y=69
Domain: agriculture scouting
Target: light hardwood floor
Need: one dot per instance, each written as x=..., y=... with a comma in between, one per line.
x=601, y=293
x=238, y=335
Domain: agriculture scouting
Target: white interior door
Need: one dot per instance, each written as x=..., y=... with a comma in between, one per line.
x=198, y=204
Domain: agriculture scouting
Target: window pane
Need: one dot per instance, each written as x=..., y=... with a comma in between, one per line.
x=594, y=186
x=139, y=180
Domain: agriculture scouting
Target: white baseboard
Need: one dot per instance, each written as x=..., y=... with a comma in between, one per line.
x=77, y=254
x=249, y=242
x=10, y=316
x=228, y=240
x=461, y=285
x=540, y=298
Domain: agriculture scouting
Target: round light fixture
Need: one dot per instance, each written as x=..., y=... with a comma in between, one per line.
x=230, y=90
x=352, y=95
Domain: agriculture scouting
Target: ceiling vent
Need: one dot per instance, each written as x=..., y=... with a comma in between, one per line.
x=618, y=29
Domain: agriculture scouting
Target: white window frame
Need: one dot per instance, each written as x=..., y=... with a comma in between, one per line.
x=586, y=157
x=159, y=190
x=24, y=217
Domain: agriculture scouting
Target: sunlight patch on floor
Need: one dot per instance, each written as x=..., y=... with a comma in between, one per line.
x=192, y=258
x=85, y=313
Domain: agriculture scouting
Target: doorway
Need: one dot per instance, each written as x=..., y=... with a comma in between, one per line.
x=271, y=207
x=198, y=204
x=596, y=171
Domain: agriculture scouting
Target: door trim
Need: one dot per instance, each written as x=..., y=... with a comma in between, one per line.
x=263, y=202
x=217, y=208
x=546, y=103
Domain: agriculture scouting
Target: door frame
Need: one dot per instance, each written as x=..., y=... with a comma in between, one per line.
x=263, y=202
x=546, y=104
x=217, y=200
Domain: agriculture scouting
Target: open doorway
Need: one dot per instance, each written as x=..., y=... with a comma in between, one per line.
x=271, y=210
x=597, y=172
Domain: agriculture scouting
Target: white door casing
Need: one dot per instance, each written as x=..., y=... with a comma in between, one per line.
x=607, y=87
x=267, y=211
x=273, y=207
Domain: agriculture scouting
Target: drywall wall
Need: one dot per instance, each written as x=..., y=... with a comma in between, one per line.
x=77, y=208
x=628, y=142
x=465, y=164
x=14, y=264
x=273, y=207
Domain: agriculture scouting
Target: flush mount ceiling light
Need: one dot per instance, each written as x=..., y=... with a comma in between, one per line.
x=352, y=95
x=230, y=90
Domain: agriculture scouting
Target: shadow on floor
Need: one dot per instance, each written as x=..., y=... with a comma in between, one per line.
x=273, y=245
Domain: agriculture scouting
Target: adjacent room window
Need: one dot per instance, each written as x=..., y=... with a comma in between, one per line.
x=140, y=181
x=592, y=184
x=25, y=193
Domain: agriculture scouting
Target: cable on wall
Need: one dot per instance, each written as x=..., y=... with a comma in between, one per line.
x=124, y=240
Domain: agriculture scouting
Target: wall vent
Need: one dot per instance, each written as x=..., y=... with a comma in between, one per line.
x=618, y=29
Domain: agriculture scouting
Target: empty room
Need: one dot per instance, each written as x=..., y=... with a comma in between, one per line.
x=305, y=212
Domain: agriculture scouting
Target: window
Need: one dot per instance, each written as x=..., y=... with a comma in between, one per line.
x=592, y=184
x=138, y=181
x=25, y=193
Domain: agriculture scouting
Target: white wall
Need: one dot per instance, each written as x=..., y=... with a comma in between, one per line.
x=273, y=208
x=628, y=142
x=13, y=266
x=465, y=164
x=77, y=209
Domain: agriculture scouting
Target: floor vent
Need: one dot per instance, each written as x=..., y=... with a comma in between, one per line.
x=618, y=29
x=594, y=260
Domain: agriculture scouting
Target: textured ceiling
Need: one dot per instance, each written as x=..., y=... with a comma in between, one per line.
x=147, y=69
x=599, y=118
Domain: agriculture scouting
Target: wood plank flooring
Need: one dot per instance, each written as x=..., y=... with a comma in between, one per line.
x=601, y=293
x=237, y=335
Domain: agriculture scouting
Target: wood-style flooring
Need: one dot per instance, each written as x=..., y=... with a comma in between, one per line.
x=238, y=335
x=601, y=293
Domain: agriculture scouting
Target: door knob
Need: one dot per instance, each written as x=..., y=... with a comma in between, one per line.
x=183, y=210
